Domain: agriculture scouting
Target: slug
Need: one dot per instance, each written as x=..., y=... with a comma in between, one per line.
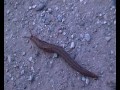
x=51, y=48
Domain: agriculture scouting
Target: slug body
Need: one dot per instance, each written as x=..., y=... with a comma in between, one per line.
x=59, y=50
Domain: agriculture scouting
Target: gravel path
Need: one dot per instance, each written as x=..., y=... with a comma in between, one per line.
x=86, y=29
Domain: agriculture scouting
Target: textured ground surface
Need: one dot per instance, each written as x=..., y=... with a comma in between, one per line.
x=85, y=28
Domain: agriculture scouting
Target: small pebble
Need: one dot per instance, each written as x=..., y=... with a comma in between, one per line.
x=23, y=53
x=8, y=11
x=39, y=83
x=15, y=66
x=104, y=22
x=34, y=6
x=83, y=78
x=81, y=0
x=100, y=14
x=72, y=36
x=41, y=7
x=27, y=41
x=22, y=72
x=60, y=31
x=9, y=58
x=15, y=54
x=51, y=62
x=6, y=70
x=108, y=38
x=109, y=34
x=49, y=10
x=30, y=59
x=87, y=37
x=101, y=72
x=33, y=23
x=115, y=22
x=111, y=52
x=85, y=2
x=55, y=55
x=56, y=8
x=64, y=33
x=30, y=78
x=12, y=78
x=87, y=81
x=72, y=45
x=30, y=7
x=32, y=68
x=9, y=74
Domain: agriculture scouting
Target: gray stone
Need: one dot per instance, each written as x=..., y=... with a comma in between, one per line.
x=23, y=53
x=72, y=45
x=8, y=11
x=30, y=78
x=9, y=58
x=22, y=72
x=87, y=37
x=30, y=59
x=108, y=38
x=34, y=6
x=83, y=78
x=87, y=81
x=55, y=55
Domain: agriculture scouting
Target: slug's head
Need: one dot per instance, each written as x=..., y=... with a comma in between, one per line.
x=35, y=40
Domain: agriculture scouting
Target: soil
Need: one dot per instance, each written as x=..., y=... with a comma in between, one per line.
x=86, y=29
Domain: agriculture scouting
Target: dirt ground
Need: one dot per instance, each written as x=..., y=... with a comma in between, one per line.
x=86, y=29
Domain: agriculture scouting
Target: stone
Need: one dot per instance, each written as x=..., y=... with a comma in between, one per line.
x=87, y=37
x=72, y=45
x=108, y=38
